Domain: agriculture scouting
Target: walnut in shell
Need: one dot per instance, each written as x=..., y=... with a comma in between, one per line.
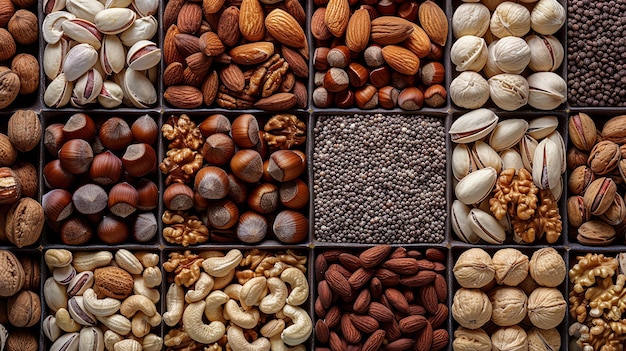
x=22, y=340
x=508, y=305
x=473, y=268
x=510, y=339
x=547, y=267
x=511, y=267
x=544, y=339
x=11, y=274
x=510, y=19
x=471, y=308
x=470, y=19
x=471, y=340
x=546, y=307
x=24, y=309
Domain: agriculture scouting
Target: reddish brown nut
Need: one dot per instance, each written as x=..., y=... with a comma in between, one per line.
x=139, y=160
x=57, y=204
x=112, y=230
x=90, y=199
x=106, y=168
x=75, y=231
x=432, y=73
x=388, y=97
x=366, y=97
x=339, y=56
x=380, y=76
x=411, y=98
x=435, y=96
x=76, y=156
x=358, y=74
x=336, y=80
x=79, y=126
x=218, y=149
x=115, y=134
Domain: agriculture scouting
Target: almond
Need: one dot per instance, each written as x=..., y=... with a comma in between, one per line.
x=170, y=13
x=251, y=20
x=336, y=343
x=198, y=63
x=321, y=265
x=397, y=300
x=189, y=18
x=337, y=16
x=440, y=340
x=299, y=66
x=411, y=324
x=364, y=323
x=425, y=264
x=439, y=317
x=362, y=301
x=360, y=277
x=435, y=255
x=350, y=333
x=325, y=293
x=376, y=288
x=170, y=52
x=338, y=283
x=375, y=340
x=393, y=330
x=388, y=30
x=433, y=21
x=301, y=94
x=232, y=77
x=441, y=287
x=187, y=44
x=277, y=102
x=429, y=298
x=252, y=53
x=322, y=333
x=296, y=10
x=387, y=277
x=319, y=310
x=374, y=255
x=284, y=28
x=228, y=26
x=210, y=87
x=421, y=278
x=318, y=27
x=333, y=316
x=183, y=96
x=358, y=31
x=418, y=42
x=351, y=262
x=211, y=44
x=425, y=339
x=212, y=6
x=400, y=344
x=379, y=312
x=403, y=266
x=401, y=60
x=399, y=252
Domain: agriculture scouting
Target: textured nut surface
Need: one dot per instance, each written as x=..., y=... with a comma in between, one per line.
x=113, y=282
x=11, y=272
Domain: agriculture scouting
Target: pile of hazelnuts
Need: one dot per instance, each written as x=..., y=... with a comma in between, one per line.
x=98, y=179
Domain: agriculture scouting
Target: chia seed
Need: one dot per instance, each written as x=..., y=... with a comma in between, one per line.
x=379, y=179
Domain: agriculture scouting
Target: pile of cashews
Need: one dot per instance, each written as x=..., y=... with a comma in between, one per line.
x=231, y=298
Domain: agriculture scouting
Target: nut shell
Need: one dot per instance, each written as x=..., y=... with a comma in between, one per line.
x=113, y=282
x=547, y=267
x=24, y=309
x=471, y=308
x=474, y=268
x=11, y=273
x=511, y=267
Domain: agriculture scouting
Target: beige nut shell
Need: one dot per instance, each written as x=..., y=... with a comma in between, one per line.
x=471, y=340
x=511, y=266
x=508, y=305
x=510, y=339
x=474, y=268
x=471, y=308
x=547, y=267
x=546, y=307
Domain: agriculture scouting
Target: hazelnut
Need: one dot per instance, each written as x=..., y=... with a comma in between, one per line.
x=264, y=198
x=178, y=197
x=367, y=97
x=411, y=98
x=75, y=231
x=79, y=126
x=388, y=97
x=245, y=130
x=53, y=138
x=336, y=80
x=57, y=204
x=380, y=76
x=285, y=165
x=56, y=177
x=373, y=56
x=320, y=60
x=247, y=165
x=344, y=99
x=357, y=74
x=148, y=195
x=432, y=73
x=218, y=149
x=90, y=199
x=145, y=130
x=106, y=168
x=123, y=199
x=322, y=98
x=339, y=56
x=112, y=230
x=216, y=123
x=290, y=227
x=115, y=134
x=212, y=183
x=145, y=227
x=139, y=160
x=222, y=214
x=294, y=194
x=76, y=156
x=435, y=96
x=251, y=227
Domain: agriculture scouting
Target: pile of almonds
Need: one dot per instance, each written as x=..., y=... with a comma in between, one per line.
x=493, y=47
x=20, y=306
x=101, y=299
x=235, y=55
x=379, y=54
x=99, y=180
x=381, y=298
x=21, y=214
x=245, y=183
x=597, y=164
x=19, y=31
x=100, y=53
x=508, y=302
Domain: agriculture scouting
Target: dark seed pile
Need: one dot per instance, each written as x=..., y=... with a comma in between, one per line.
x=379, y=179
x=596, y=53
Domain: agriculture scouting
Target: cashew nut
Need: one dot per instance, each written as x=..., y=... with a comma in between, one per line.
x=300, y=330
x=128, y=262
x=245, y=319
x=221, y=266
x=233, y=290
x=238, y=342
x=110, y=338
x=252, y=291
x=203, y=286
x=195, y=327
x=116, y=323
x=299, y=286
x=277, y=344
x=213, y=310
x=222, y=282
x=99, y=307
x=140, y=288
x=152, y=342
x=135, y=303
x=273, y=327
x=175, y=302
x=152, y=276
x=65, y=321
x=142, y=324
x=277, y=297
x=147, y=259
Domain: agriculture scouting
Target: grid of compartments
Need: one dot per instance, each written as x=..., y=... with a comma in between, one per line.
x=311, y=247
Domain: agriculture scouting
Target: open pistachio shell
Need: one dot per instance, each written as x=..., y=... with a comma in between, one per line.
x=88, y=87
x=460, y=223
x=111, y=95
x=527, y=147
x=485, y=156
x=560, y=144
x=140, y=90
x=82, y=31
x=462, y=161
x=476, y=186
x=146, y=7
x=52, y=26
x=546, y=90
x=473, y=126
x=53, y=56
x=600, y=195
x=507, y=133
x=143, y=55
x=486, y=226
x=114, y=20
x=112, y=55
x=79, y=60
x=547, y=165
x=58, y=92
x=541, y=127
x=85, y=9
